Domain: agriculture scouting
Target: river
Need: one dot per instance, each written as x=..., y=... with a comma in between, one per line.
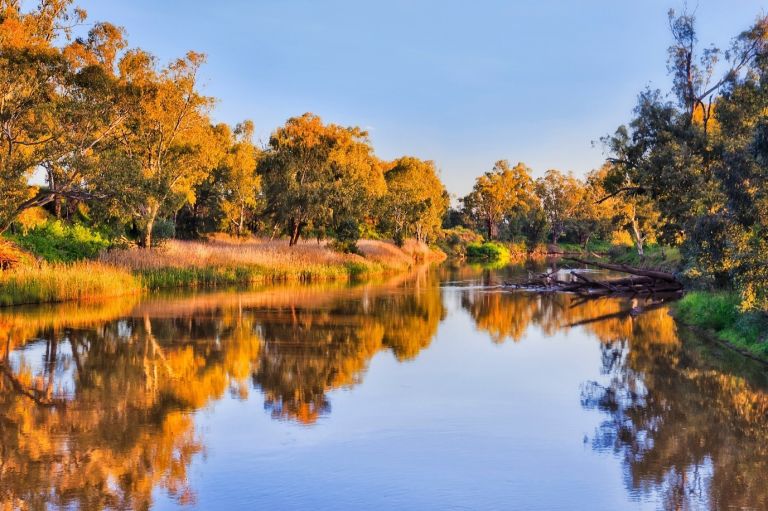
x=433, y=390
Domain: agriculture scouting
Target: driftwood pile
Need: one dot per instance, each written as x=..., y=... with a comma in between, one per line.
x=637, y=282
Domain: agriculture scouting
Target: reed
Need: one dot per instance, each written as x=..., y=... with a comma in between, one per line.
x=48, y=283
x=219, y=262
x=228, y=262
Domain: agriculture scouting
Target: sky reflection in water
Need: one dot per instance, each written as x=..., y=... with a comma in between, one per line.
x=407, y=394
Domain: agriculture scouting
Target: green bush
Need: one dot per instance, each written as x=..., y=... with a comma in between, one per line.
x=56, y=241
x=346, y=236
x=454, y=241
x=489, y=251
x=162, y=231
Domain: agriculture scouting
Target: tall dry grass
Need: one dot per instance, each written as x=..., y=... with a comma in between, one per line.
x=232, y=261
x=221, y=261
x=50, y=283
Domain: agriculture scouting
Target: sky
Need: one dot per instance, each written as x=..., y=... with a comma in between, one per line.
x=461, y=83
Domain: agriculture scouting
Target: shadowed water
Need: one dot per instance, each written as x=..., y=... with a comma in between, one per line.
x=435, y=390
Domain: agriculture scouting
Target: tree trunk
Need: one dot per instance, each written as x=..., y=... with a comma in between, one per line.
x=147, y=239
x=296, y=227
x=57, y=206
x=556, y=232
x=637, y=235
x=240, y=223
x=492, y=229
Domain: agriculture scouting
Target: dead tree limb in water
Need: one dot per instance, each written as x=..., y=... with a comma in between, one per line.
x=640, y=282
x=623, y=268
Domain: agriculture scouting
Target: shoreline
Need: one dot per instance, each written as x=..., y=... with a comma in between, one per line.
x=718, y=316
x=211, y=264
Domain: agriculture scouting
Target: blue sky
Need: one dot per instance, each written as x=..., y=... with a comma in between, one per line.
x=460, y=83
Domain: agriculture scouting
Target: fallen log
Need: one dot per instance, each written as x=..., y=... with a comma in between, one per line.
x=639, y=282
x=623, y=268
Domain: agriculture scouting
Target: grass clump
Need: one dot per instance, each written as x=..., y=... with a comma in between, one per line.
x=489, y=251
x=64, y=282
x=721, y=312
x=55, y=241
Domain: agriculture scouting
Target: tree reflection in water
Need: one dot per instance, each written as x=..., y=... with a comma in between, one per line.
x=95, y=400
x=690, y=426
x=94, y=411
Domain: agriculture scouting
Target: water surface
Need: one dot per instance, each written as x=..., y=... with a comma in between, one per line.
x=435, y=390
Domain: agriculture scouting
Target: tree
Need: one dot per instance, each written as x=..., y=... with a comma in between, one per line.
x=32, y=70
x=592, y=215
x=697, y=166
x=498, y=194
x=168, y=146
x=560, y=196
x=416, y=200
x=241, y=184
x=319, y=175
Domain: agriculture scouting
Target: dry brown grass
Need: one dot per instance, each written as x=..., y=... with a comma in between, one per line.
x=273, y=255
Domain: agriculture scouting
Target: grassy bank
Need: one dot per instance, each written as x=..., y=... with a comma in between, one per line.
x=219, y=262
x=719, y=313
x=231, y=262
x=49, y=283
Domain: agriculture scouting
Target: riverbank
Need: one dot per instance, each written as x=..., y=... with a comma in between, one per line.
x=218, y=262
x=719, y=314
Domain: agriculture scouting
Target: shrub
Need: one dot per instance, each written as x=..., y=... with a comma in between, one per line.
x=162, y=231
x=346, y=236
x=722, y=313
x=709, y=310
x=489, y=251
x=56, y=241
x=454, y=241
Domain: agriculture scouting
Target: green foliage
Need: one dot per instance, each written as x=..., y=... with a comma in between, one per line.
x=700, y=163
x=655, y=256
x=454, y=241
x=722, y=313
x=709, y=310
x=56, y=241
x=346, y=236
x=163, y=230
x=489, y=251
x=416, y=201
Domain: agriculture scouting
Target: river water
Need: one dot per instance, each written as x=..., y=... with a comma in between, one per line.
x=434, y=390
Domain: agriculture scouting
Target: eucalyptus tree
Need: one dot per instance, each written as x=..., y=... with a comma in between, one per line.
x=319, y=175
x=168, y=145
x=416, y=200
x=502, y=192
